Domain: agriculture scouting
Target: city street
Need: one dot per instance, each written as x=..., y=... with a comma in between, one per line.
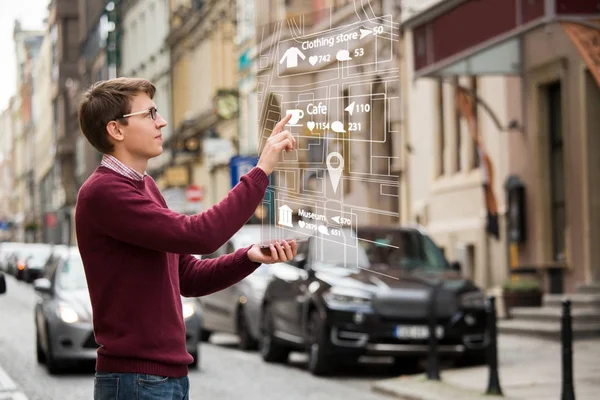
x=226, y=372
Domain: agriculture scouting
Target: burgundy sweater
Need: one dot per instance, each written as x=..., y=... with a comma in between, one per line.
x=136, y=255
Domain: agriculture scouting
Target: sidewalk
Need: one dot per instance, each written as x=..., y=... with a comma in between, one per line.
x=8, y=389
x=529, y=368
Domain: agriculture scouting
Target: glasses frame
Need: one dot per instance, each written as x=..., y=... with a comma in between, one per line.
x=153, y=111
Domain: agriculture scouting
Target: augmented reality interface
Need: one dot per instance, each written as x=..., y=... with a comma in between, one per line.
x=337, y=74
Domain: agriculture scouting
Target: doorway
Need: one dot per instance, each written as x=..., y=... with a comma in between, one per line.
x=556, y=170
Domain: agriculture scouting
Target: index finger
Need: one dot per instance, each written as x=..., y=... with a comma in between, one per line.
x=281, y=124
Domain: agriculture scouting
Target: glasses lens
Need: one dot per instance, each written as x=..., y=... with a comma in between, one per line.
x=153, y=113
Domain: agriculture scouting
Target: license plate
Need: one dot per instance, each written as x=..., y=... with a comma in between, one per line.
x=416, y=332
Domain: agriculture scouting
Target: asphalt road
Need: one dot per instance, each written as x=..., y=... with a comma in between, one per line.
x=225, y=371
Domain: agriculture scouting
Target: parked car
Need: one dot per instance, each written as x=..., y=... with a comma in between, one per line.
x=10, y=254
x=27, y=260
x=63, y=314
x=7, y=250
x=236, y=309
x=339, y=301
x=34, y=258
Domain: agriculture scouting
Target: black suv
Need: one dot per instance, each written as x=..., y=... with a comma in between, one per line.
x=367, y=292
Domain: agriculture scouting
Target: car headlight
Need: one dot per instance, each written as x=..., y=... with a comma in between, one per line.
x=475, y=299
x=346, y=300
x=189, y=309
x=67, y=314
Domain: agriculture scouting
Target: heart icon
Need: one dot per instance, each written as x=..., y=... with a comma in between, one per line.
x=313, y=60
x=301, y=224
x=310, y=125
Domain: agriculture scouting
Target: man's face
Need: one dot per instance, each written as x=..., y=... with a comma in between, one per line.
x=142, y=137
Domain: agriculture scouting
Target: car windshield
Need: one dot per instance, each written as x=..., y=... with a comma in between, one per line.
x=327, y=253
x=35, y=255
x=71, y=275
x=402, y=249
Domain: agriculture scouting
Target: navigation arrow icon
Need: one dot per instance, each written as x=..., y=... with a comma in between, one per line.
x=365, y=32
x=336, y=219
x=350, y=108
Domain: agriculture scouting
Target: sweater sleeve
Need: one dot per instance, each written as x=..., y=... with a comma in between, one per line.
x=203, y=277
x=117, y=208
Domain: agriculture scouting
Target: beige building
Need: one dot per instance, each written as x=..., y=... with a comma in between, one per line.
x=44, y=137
x=146, y=54
x=348, y=99
x=446, y=175
x=6, y=171
x=205, y=103
x=535, y=66
x=27, y=44
x=556, y=155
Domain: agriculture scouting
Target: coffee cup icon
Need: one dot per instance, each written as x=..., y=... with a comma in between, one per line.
x=297, y=115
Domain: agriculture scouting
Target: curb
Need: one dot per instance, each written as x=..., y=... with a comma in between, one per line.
x=417, y=388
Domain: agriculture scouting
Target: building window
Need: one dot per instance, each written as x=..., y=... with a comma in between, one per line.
x=441, y=148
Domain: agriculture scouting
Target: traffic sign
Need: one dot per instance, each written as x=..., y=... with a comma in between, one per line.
x=240, y=166
x=194, y=193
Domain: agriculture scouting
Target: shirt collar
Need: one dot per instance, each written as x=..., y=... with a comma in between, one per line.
x=111, y=162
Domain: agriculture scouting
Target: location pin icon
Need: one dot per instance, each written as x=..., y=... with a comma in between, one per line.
x=335, y=173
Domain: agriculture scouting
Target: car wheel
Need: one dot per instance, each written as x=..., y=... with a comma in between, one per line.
x=41, y=356
x=196, y=361
x=318, y=346
x=205, y=335
x=247, y=342
x=52, y=363
x=270, y=349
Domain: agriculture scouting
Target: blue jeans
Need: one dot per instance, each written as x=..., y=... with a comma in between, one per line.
x=109, y=386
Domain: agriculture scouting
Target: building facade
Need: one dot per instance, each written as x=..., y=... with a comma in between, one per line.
x=359, y=114
x=27, y=45
x=446, y=168
x=98, y=60
x=546, y=52
x=205, y=100
x=45, y=174
x=59, y=184
x=145, y=54
x=6, y=174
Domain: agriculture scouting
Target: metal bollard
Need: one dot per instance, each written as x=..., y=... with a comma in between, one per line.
x=492, y=350
x=568, y=389
x=433, y=366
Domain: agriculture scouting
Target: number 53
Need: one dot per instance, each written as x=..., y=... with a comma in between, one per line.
x=359, y=52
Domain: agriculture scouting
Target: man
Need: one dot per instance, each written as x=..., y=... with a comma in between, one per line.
x=137, y=253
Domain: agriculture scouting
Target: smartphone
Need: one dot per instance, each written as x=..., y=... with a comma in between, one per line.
x=265, y=249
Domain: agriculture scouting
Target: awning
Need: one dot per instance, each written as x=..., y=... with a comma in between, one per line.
x=479, y=37
x=586, y=39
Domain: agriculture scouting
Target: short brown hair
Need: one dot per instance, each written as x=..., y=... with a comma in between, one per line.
x=105, y=101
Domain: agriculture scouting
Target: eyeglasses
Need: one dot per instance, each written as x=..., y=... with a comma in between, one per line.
x=152, y=110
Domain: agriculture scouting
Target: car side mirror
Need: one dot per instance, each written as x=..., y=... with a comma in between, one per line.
x=42, y=285
x=2, y=283
x=455, y=266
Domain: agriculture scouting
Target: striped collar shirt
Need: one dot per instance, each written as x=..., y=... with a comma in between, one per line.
x=111, y=162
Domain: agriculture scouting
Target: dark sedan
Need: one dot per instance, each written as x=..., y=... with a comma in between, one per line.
x=367, y=293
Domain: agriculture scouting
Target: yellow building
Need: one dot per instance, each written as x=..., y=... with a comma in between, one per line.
x=205, y=102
